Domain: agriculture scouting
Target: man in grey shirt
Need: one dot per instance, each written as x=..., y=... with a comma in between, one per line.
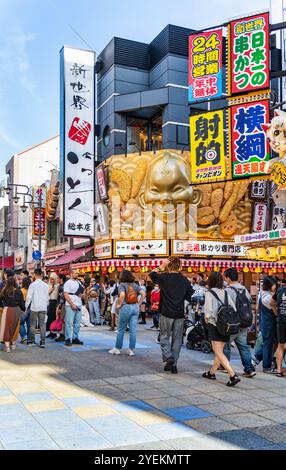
x=231, y=277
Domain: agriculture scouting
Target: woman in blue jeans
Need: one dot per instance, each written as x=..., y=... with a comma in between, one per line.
x=128, y=307
x=267, y=320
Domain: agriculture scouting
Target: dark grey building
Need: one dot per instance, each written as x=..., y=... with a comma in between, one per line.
x=142, y=94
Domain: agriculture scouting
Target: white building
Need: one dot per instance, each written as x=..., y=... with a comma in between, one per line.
x=31, y=168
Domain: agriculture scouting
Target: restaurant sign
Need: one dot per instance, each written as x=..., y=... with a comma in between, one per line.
x=206, y=248
x=260, y=237
x=140, y=248
x=103, y=250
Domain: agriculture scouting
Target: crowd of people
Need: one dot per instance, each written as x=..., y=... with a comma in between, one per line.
x=57, y=305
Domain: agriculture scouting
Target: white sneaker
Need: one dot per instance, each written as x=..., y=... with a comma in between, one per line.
x=130, y=352
x=114, y=351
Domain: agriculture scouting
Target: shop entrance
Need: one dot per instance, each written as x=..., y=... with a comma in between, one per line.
x=144, y=134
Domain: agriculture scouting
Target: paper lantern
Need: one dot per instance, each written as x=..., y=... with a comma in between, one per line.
x=96, y=269
x=271, y=253
x=281, y=252
x=246, y=269
x=110, y=270
x=251, y=253
x=284, y=270
x=216, y=269
x=261, y=253
x=258, y=270
x=190, y=269
x=120, y=269
x=274, y=270
x=202, y=269
x=280, y=270
x=265, y=270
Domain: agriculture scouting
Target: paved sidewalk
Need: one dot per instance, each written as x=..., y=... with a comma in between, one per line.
x=84, y=398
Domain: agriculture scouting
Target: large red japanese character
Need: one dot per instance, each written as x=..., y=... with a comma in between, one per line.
x=79, y=131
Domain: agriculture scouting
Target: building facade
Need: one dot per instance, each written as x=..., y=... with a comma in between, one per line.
x=142, y=94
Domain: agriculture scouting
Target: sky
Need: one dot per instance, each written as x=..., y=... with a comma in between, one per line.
x=32, y=33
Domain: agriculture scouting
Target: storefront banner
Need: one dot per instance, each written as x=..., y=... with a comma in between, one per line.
x=39, y=195
x=103, y=250
x=207, y=248
x=19, y=258
x=140, y=247
x=205, y=65
x=77, y=141
x=208, y=158
x=249, y=51
x=258, y=237
x=278, y=217
x=258, y=189
x=101, y=215
x=250, y=149
x=39, y=224
x=259, y=217
x=102, y=184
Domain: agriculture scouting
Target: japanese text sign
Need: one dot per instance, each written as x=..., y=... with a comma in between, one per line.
x=141, y=247
x=39, y=195
x=103, y=250
x=38, y=223
x=249, y=46
x=207, y=147
x=278, y=218
x=250, y=149
x=206, y=248
x=260, y=217
x=77, y=141
x=278, y=174
x=101, y=177
x=205, y=65
x=258, y=189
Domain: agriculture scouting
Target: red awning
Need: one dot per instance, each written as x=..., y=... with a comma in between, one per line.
x=71, y=256
x=8, y=262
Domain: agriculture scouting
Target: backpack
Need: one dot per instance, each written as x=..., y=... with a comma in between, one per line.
x=243, y=307
x=228, y=321
x=131, y=295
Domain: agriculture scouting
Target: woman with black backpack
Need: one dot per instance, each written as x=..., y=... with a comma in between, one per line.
x=128, y=306
x=218, y=308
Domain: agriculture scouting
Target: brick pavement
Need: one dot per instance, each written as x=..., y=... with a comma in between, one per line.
x=84, y=398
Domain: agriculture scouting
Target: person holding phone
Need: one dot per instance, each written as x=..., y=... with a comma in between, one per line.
x=73, y=292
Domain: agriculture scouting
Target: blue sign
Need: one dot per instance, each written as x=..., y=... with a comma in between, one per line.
x=36, y=255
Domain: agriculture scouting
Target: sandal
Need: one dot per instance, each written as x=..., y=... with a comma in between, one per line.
x=7, y=350
x=13, y=347
x=233, y=381
x=208, y=375
x=280, y=374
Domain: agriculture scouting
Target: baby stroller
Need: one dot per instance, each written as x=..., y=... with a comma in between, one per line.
x=197, y=335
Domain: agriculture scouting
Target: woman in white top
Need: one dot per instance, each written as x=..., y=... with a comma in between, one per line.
x=211, y=307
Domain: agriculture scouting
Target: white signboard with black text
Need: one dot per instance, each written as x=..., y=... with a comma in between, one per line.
x=259, y=217
x=141, y=247
x=206, y=248
x=103, y=250
x=77, y=140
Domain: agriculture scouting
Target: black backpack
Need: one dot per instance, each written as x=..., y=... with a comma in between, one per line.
x=228, y=321
x=243, y=308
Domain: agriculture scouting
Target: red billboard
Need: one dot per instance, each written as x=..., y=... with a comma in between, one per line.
x=205, y=65
x=250, y=148
x=39, y=223
x=249, y=53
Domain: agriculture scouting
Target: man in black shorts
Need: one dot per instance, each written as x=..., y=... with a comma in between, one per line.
x=280, y=299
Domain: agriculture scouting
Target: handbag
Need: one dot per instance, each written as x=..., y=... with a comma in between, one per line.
x=56, y=325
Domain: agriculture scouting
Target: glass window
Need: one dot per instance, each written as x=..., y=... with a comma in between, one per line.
x=137, y=135
x=106, y=136
x=156, y=133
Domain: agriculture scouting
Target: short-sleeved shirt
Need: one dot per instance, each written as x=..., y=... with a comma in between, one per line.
x=280, y=298
x=123, y=287
x=71, y=287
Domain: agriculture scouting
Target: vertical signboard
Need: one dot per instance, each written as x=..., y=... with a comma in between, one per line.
x=249, y=51
x=208, y=159
x=205, y=65
x=250, y=149
x=39, y=225
x=259, y=217
x=77, y=141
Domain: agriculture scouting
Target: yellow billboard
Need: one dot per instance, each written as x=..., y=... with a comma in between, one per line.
x=208, y=156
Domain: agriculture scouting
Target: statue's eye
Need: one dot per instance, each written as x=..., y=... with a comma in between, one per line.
x=276, y=132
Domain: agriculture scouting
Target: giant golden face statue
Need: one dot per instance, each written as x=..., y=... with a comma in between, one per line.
x=167, y=184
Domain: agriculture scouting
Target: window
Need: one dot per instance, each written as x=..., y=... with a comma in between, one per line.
x=183, y=135
x=137, y=135
x=106, y=136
